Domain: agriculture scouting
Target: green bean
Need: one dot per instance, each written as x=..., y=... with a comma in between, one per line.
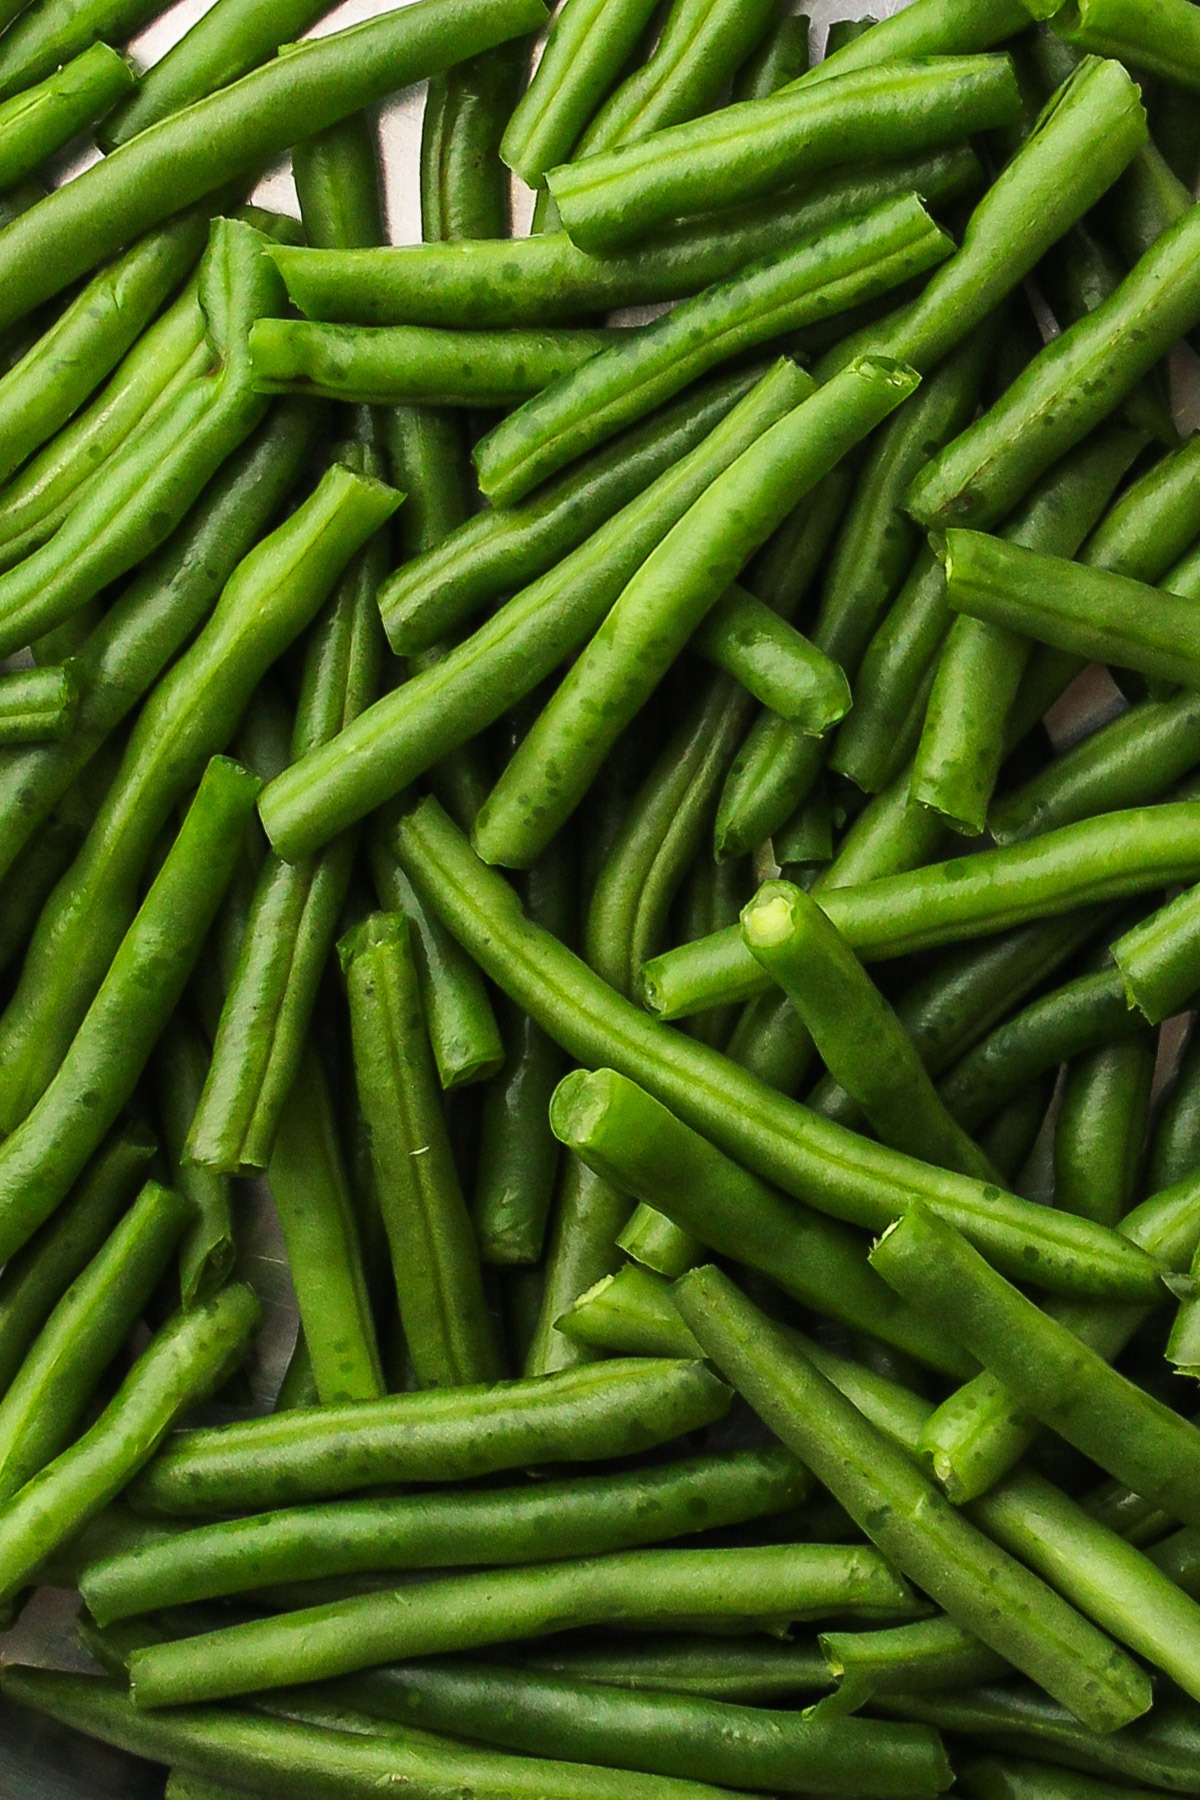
x=227, y=41
x=473, y=102
x=667, y=598
x=177, y=1077
x=782, y=57
x=1084, y=139
x=36, y=704
x=539, y=1521
x=784, y=1582
x=1163, y=38
x=36, y=1278
x=446, y=704
x=281, y=1757
x=49, y=1396
x=927, y=28
x=132, y=1004
x=958, y=760
x=522, y=1709
x=411, y=365
x=637, y=1145
x=905, y=1659
x=584, y=1414
x=777, y=294
x=272, y=596
x=993, y=1778
x=1101, y=1129
x=655, y=1242
x=42, y=863
x=435, y=1258
x=785, y=671
x=818, y=1162
x=53, y=32
x=629, y=1313
x=1159, y=960
x=308, y=1182
x=586, y=51
x=1057, y=1378
x=234, y=131
x=545, y=278
x=40, y=120
x=184, y=1363
x=747, y=1669
x=751, y=149
x=1174, y=1147
x=587, y=1215
x=978, y=1584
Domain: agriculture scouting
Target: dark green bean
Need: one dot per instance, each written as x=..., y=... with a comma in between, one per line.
x=1101, y=1129
x=237, y=130
x=1174, y=1148
x=816, y=1161
x=522, y=1709
x=753, y=148
x=584, y=1414
x=931, y=1653
x=177, y=1077
x=992, y=1778
x=782, y=57
x=36, y=704
x=587, y=1215
x=981, y=1587
x=747, y=1669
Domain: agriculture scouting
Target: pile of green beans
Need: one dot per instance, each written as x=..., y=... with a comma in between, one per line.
x=781, y=556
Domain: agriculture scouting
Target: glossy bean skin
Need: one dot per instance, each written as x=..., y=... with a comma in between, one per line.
x=761, y=145
x=275, y=1754
x=1101, y=1128
x=451, y=701
x=932, y=1653
x=37, y=122
x=36, y=704
x=587, y=1215
x=525, y=1710
x=585, y=1515
x=664, y=601
x=464, y=184
x=775, y=1139
x=586, y=51
x=581, y=1414
x=747, y=1669
x=900, y=1510
x=781, y=57
x=776, y=295
x=640, y=1147
x=1161, y=39
x=272, y=596
x=52, y=32
x=95, y=1078
x=1159, y=960
x=784, y=1581
x=546, y=279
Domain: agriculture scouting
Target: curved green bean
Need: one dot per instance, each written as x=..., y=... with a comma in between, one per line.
x=176, y=1079
x=1101, y=1129
x=588, y=47
x=931, y=1653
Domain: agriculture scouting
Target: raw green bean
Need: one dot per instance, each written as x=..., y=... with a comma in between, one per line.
x=931, y=1653
x=782, y=57
x=637, y=1145
x=235, y=131
x=785, y=671
x=587, y=49
x=862, y=1043
x=542, y=1520
x=1057, y=1378
x=746, y=1669
x=587, y=1215
x=963, y=740
x=993, y=1778
x=584, y=1414
x=927, y=28
x=784, y=1582
x=42, y=863
x=49, y=1396
x=230, y=39
x=195, y=708
x=1159, y=36
x=818, y=1162
x=751, y=149
x=337, y=184
x=1159, y=960
x=36, y=1278
x=185, y=1362
x=143, y=984
x=464, y=183
x=545, y=278
x=655, y=1242
x=667, y=598
x=435, y=1258
x=177, y=1077
x=307, y=1178
x=1174, y=1148
x=285, y=1757
x=40, y=120
x=1101, y=1129
x=403, y=734
x=36, y=704
x=629, y=1313
x=522, y=1709
x=980, y=1586
x=776, y=295
x=53, y=32
x=409, y=365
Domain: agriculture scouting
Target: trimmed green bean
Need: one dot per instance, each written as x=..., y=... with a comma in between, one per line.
x=927, y=28
x=980, y=1586
x=53, y=32
x=637, y=1145
x=464, y=183
x=816, y=1161
x=750, y=149
x=36, y=704
x=1174, y=1148
x=538, y=1521
x=862, y=1043
x=1101, y=1129
x=143, y=984
x=778, y=294
x=931, y=1653
x=1057, y=1378
x=629, y=1313
x=782, y=57
x=1162, y=37
x=545, y=278
x=746, y=1669
x=1159, y=960
x=237, y=130
x=587, y=49
x=523, y=1709
x=40, y=120
x=435, y=1258
x=784, y=1582
x=587, y=1215
x=584, y=1414
x=667, y=598
x=177, y=1077
x=403, y=734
